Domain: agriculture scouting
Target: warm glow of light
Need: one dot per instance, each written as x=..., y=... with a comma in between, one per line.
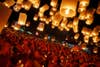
x=22, y=19
x=56, y=19
x=27, y=5
x=44, y=8
x=19, y=1
x=40, y=27
x=76, y=36
x=17, y=7
x=68, y=8
x=9, y=3
x=53, y=3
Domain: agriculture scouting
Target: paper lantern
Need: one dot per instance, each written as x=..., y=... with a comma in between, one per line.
x=95, y=50
x=48, y=20
x=76, y=36
x=22, y=19
x=89, y=21
x=75, y=29
x=86, y=39
x=43, y=18
x=40, y=26
x=53, y=3
x=35, y=18
x=63, y=23
x=9, y=3
x=86, y=31
x=83, y=46
x=19, y=1
x=44, y=8
x=75, y=21
x=95, y=39
x=70, y=24
x=40, y=14
x=27, y=5
x=56, y=19
x=84, y=3
x=68, y=8
x=36, y=3
x=82, y=15
x=17, y=7
x=90, y=13
x=96, y=31
x=81, y=9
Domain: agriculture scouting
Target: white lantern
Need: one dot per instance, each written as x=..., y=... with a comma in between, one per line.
x=68, y=8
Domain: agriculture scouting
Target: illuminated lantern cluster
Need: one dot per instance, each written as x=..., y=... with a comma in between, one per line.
x=59, y=18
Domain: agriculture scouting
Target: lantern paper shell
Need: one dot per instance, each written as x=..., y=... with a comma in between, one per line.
x=76, y=36
x=53, y=3
x=40, y=26
x=56, y=19
x=68, y=8
x=27, y=5
x=9, y=3
x=17, y=7
x=22, y=19
x=19, y=1
x=84, y=3
x=44, y=8
x=63, y=23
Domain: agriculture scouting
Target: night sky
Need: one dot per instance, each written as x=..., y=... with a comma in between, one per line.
x=60, y=35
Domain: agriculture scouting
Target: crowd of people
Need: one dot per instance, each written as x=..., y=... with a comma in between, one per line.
x=18, y=49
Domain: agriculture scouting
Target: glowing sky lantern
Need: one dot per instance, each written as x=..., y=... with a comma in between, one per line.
x=63, y=23
x=27, y=5
x=76, y=36
x=44, y=8
x=68, y=8
x=53, y=3
x=19, y=1
x=98, y=8
x=40, y=26
x=56, y=19
x=17, y=7
x=84, y=3
x=9, y=3
x=22, y=19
